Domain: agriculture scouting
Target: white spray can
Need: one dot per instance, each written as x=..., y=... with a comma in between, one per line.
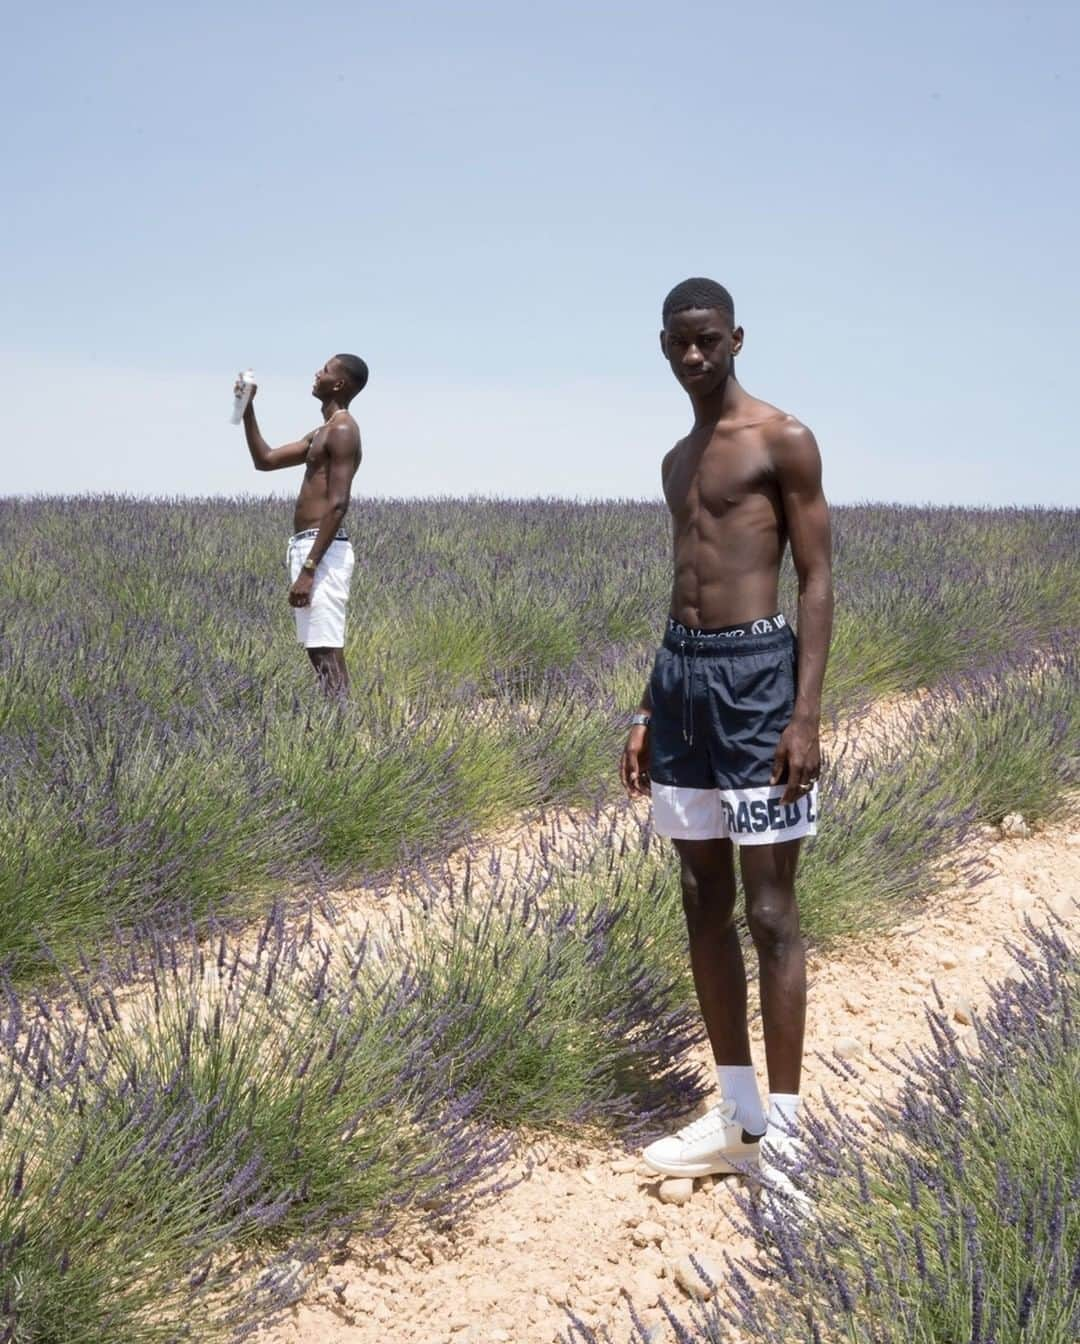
x=242, y=394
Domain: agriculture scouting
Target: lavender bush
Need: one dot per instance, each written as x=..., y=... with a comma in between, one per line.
x=120, y=1204
x=569, y=972
x=903, y=817
x=189, y=1099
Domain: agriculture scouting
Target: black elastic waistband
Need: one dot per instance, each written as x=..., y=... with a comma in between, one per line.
x=314, y=532
x=767, y=632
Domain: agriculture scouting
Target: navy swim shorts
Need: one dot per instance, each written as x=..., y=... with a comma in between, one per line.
x=720, y=701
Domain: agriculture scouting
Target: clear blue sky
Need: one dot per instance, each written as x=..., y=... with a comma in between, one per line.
x=489, y=201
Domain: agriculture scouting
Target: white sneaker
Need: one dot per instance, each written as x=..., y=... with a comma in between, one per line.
x=712, y=1144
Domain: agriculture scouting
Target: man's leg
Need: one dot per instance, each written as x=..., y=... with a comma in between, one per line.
x=329, y=665
x=768, y=873
x=708, y=894
x=342, y=671
x=726, y=1138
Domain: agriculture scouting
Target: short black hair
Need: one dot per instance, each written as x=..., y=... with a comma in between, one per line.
x=697, y=292
x=355, y=367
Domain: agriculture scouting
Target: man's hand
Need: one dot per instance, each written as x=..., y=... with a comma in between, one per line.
x=634, y=766
x=300, y=592
x=798, y=754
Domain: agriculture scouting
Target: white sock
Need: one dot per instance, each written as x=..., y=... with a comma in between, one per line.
x=738, y=1083
x=783, y=1117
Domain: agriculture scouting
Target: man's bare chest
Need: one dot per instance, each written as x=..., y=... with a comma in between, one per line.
x=316, y=454
x=717, y=478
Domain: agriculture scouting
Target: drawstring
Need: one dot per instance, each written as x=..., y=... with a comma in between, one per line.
x=689, y=663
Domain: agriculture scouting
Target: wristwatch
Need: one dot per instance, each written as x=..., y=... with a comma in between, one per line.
x=309, y=565
x=640, y=720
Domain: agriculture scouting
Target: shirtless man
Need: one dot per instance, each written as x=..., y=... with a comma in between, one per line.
x=726, y=736
x=320, y=557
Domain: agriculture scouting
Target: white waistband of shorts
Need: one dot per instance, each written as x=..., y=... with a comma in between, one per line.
x=310, y=533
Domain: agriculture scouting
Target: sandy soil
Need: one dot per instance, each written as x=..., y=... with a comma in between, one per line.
x=587, y=1221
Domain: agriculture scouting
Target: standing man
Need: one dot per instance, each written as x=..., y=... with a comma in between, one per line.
x=726, y=736
x=320, y=557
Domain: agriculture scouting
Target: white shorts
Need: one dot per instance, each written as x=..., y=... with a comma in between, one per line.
x=745, y=816
x=321, y=624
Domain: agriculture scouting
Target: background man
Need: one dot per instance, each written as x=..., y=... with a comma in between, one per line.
x=320, y=557
x=726, y=736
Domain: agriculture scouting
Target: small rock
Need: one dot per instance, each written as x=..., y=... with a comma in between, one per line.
x=949, y=961
x=520, y=1237
x=1022, y=898
x=853, y=1001
x=1073, y=840
x=499, y=1336
x=647, y=1233
x=1014, y=827
x=624, y=1165
x=652, y=1262
x=643, y=1289
x=694, y=1282
x=962, y=1012
x=847, y=1047
x=678, y=1190
x=458, y=1323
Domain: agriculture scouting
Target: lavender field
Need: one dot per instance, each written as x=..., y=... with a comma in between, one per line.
x=193, y=1107
x=163, y=749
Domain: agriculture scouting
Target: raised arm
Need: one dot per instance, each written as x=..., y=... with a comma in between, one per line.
x=797, y=463
x=265, y=457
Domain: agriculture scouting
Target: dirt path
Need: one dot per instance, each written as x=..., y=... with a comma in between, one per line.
x=588, y=1220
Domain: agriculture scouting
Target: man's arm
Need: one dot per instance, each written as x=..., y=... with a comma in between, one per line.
x=342, y=445
x=634, y=763
x=797, y=463
x=265, y=457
